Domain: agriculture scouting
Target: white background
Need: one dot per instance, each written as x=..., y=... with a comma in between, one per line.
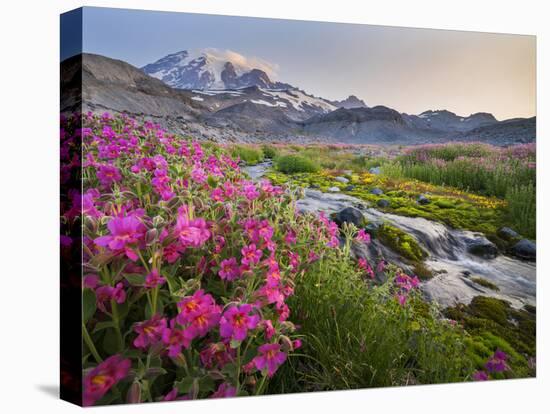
x=29, y=327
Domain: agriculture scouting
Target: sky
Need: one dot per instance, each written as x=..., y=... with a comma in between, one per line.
x=410, y=70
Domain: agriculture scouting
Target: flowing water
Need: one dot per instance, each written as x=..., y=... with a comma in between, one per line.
x=453, y=266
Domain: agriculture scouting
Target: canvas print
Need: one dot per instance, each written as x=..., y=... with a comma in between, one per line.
x=261, y=206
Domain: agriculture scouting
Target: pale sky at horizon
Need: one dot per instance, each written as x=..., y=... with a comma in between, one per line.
x=410, y=70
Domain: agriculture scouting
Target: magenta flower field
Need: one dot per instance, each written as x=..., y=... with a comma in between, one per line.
x=191, y=273
x=242, y=215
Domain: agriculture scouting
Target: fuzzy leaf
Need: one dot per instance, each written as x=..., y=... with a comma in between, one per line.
x=88, y=304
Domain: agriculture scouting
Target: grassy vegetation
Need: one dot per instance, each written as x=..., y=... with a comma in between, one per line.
x=270, y=152
x=249, y=154
x=290, y=164
x=508, y=174
x=522, y=211
x=357, y=335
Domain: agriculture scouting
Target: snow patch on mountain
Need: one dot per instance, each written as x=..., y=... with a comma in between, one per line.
x=300, y=100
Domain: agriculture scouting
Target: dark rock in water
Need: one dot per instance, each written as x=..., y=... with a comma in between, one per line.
x=376, y=191
x=349, y=215
x=372, y=228
x=423, y=200
x=350, y=188
x=507, y=233
x=525, y=249
x=383, y=203
x=314, y=186
x=374, y=170
x=482, y=248
x=466, y=273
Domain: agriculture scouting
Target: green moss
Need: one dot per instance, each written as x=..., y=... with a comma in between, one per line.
x=485, y=283
x=493, y=324
x=422, y=271
x=401, y=242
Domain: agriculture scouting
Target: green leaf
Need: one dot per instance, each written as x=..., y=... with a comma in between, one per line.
x=184, y=386
x=206, y=384
x=88, y=304
x=110, y=342
x=135, y=279
x=103, y=325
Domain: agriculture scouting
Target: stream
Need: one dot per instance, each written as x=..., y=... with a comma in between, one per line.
x=448, y=258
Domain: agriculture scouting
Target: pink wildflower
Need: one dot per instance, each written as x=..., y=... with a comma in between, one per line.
x=192, y=233
x=100, y=379
x=175, y=339
x=108, y=174
x=216, y=355
x=229, y=269
x=363, y=236
x=224, y=391
x=236, y=321
x=154, y=279
x=480, y=376
x=269, y=358
x=251, y=255
x=125, y=231
x=149, y=332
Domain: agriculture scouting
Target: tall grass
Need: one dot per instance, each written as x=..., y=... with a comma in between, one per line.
x=522, y=210
x=250, y=155
x=290, y=164
x=358, y=336
x=480, y=168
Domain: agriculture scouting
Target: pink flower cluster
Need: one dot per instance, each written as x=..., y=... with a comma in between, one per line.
x=190, y=267
x=497, y=363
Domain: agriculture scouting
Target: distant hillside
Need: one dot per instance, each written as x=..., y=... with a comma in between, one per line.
x=257, y=113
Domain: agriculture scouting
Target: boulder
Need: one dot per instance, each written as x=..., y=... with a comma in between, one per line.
x=507, y=233
x=334, y=189
x=383, y=203
x=482, y=248
x=423, y=200
x=372, y=228
x=525, y=249
x=350, y=188
x=342, y=180
x=374, y=170
x=376, y=191
x=349, y=215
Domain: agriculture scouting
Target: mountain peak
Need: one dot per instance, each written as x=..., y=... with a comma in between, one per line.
x=351, y=101
x=212, y=69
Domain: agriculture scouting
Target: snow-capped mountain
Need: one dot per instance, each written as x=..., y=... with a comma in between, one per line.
x=257, y=113
x=212, y=69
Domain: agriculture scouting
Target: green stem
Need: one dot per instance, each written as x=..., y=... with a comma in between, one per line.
x=155, y=300
x=116, y=321
x=261, y=386
x=238, y=382
x=90, y=343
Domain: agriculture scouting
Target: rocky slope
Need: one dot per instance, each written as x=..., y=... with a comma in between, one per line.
x=264, y=111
